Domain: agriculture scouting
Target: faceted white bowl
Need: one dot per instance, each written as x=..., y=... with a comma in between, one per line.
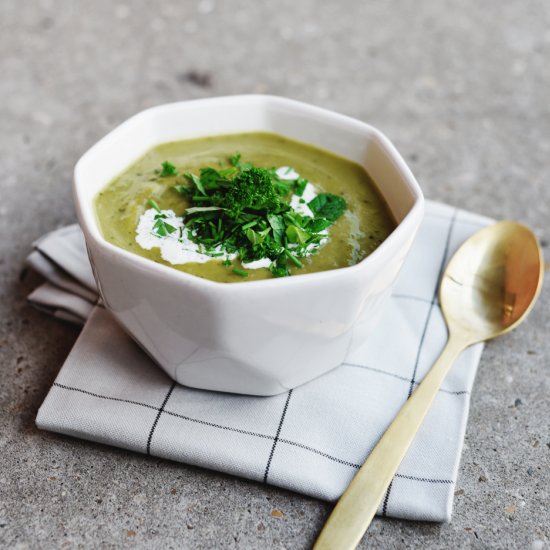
x=256, y=337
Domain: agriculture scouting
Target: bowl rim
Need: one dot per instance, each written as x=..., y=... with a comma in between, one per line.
x=409, y=223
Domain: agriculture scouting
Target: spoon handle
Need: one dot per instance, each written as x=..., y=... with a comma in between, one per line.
x=358, y=505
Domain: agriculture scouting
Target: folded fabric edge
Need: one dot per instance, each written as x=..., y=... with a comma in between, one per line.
x=56, y=274
x=65, y=248
x=60, y=303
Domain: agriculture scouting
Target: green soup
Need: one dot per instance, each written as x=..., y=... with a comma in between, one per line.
x=364, y=225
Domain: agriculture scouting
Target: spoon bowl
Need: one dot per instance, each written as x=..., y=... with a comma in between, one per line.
x=488, y=288
x=492, y=282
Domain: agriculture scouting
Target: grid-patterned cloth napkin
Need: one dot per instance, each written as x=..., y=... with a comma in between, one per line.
x=311, y=439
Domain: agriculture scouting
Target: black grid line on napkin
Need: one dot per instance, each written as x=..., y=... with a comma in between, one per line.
x=402, y=378
x=156, y=421
x=275, y=438
x=466, y=221
x=411, y=297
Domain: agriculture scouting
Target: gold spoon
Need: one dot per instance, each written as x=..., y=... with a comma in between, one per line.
x=488, y=288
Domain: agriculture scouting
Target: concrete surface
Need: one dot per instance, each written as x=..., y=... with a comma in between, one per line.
x=461, y=87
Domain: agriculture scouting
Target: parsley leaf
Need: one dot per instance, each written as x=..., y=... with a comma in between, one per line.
x=161, y=228
x=300, y=186
x=168, y=169
x=235, y=160
x=184, y=190
x=296, y=234
x=327, y=206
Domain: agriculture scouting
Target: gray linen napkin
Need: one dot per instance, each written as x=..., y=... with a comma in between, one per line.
x=312, y=439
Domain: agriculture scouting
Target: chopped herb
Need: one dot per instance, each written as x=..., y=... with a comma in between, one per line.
x=300, y=186
x=184, y=190
x=327, y=206
x=196, y=209
x=249, y=224
x=154, y=205
x=168, y=169
x=240, y=272
x=293, y=259
x=279, y=268
x=295, y=234
x=244, y=210
x=235, y=160
x=161, y=228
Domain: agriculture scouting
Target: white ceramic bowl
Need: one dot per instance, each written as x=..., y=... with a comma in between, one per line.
x=257, y=337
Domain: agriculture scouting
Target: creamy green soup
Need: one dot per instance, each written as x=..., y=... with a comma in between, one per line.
x=365, y=223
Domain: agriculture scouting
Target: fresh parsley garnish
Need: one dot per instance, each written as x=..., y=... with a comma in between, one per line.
x=327, y=206
x=299, y=186
x=168, y=169
x=245, y=210
x=235, y=160
x=161, y=227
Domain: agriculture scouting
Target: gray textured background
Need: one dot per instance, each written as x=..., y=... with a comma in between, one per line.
x=461, y=87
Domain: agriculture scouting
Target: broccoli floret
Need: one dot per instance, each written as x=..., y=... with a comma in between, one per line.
x=252, y=189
